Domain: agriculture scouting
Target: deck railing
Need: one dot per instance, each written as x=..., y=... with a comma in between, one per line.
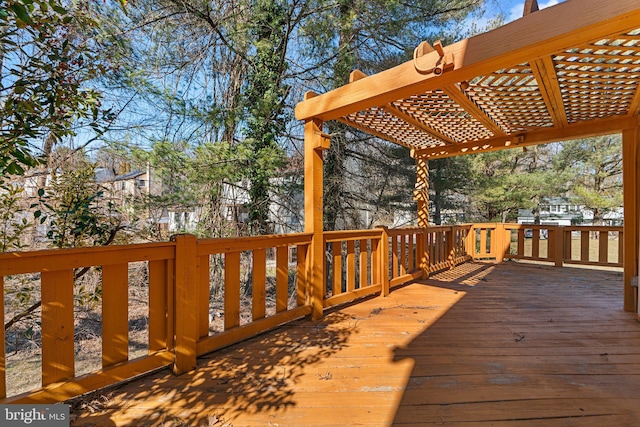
x=202, y=295
x=560, y=245
x=56, y=270
x=354, y=265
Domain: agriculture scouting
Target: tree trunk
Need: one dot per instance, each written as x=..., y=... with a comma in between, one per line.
x=336, y=155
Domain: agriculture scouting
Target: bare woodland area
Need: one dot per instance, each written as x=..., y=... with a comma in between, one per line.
x=199, y=97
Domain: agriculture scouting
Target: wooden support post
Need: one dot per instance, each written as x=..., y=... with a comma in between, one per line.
x=421, y=192
x=503, y=241
x=631, y=186
x=186, y=327
x=315, y=141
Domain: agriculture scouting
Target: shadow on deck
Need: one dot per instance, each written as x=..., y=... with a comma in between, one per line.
x=481, y=345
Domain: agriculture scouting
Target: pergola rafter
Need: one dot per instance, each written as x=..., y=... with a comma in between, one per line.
x=569, y=71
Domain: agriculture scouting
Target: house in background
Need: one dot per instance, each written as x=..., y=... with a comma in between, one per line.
x=560, y=211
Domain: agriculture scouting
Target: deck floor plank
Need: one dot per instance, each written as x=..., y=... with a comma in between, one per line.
x=482, y=345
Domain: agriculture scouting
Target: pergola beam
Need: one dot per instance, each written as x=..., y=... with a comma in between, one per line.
x=634, y=107
x=538, y=35
x=530, y=6
x=573, y=131
x=454, y=92
x=545, y=74
x=417, y=123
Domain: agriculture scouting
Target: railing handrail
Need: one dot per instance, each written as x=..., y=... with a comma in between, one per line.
x=240, y=244
x=24, y=262
x=343, y=235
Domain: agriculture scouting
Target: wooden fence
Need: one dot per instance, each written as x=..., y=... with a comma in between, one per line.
x=263, y=282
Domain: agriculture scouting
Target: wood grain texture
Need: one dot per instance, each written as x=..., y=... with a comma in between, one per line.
x=57, y=326
x=158, y=315
x=259, y=284
x=481, y=345
x=115, y=314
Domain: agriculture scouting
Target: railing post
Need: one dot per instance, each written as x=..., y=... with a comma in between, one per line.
x=383, y=260
x=185, y=279
x=503, y=241
x=315, y=142
x=558, y=249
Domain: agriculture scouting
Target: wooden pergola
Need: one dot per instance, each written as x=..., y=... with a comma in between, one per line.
x=569, y=71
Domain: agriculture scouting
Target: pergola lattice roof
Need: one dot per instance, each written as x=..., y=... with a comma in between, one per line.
x=568, y=71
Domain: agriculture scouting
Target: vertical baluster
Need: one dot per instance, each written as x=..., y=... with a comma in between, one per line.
x=521, y=242
x=57, y=326
x=603, y=253
x=351, y=266
x=301, y=276
x=584, y=245
x=376, y=261
x=185, y=313
x=336, y=248
x=231, y=290
x=394, y=254
x=282, y=278
x=620, y=247
x=259, y=284
x=383, y=261
x=157, y=305
x=403, y=255
x=364, y=274
x=568, y=244
x=203, y=296
x=115, y=314
x=411, y=266
x=171, y=305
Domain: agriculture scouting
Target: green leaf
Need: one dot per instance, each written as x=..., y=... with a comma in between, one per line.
x=21, y=12
x=60, y=10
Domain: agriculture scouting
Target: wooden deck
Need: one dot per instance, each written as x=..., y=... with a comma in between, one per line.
x=483, y=345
